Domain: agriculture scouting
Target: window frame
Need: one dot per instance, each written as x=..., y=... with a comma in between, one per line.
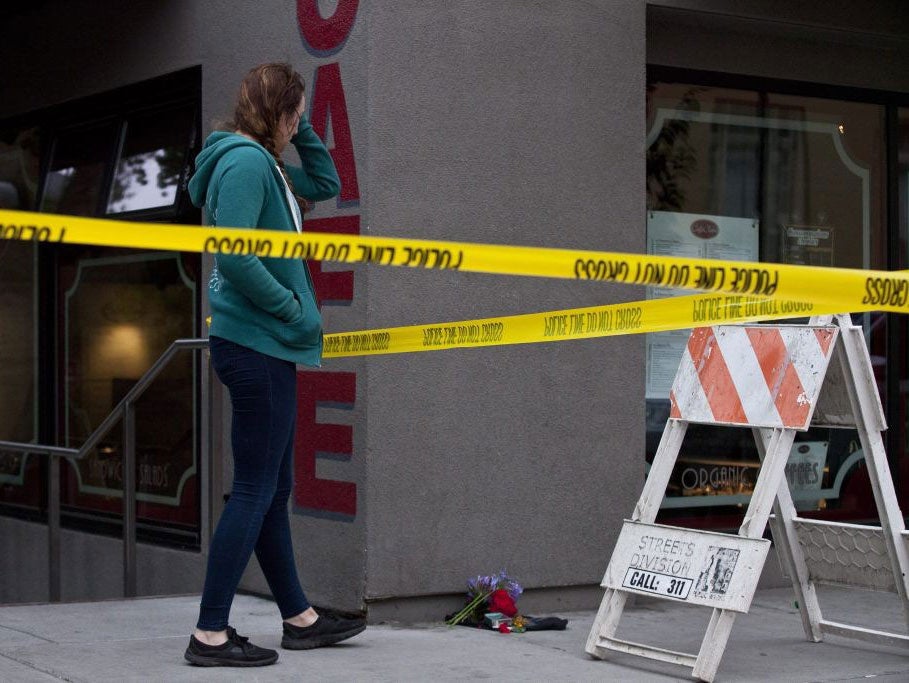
x=175, y=89
x=896, y=237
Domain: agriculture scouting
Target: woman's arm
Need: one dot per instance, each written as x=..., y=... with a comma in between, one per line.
x=241, y=194
x=318, y=179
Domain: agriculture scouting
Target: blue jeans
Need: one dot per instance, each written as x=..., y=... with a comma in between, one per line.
x=263, y=396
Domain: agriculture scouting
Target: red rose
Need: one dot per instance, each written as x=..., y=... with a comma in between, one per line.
x=500, y=601
x=503, y=628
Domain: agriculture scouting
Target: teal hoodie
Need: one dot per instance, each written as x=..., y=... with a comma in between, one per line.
x=266, y=304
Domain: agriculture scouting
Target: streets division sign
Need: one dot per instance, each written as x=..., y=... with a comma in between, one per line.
x=698, y=567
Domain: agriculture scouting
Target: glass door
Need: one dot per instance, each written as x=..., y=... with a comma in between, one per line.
x=80, y=324
x=118, y=311
x=777, y=178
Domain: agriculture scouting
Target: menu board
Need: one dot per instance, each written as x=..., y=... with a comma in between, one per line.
x=807, y=245
x=695, y=236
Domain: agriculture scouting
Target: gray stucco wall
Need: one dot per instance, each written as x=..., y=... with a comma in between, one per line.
x=512, y=123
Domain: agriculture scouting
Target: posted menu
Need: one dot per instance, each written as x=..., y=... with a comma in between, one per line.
x=691, y=235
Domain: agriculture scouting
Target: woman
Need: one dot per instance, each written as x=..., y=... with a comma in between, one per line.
x=264, y=321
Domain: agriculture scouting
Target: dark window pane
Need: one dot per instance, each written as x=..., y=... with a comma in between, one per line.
x=19, y=474
x=900, y=348
x=121, y=313
x=80, y=158
x=151, y=163
x=20, y=152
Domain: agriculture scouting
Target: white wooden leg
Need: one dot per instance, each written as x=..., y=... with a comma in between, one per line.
x=770, y=478
x=714, y=644
x=868, y=413
x=606, y=622
x=768, y=483
x=646, y=509
x=658, y=478
x=790, y=552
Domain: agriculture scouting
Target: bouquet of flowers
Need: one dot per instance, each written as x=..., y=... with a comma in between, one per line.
x=493, y=593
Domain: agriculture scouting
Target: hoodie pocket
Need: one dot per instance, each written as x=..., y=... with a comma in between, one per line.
x=305, y=330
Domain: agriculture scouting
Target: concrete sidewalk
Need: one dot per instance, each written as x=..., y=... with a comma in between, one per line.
x=144, y=639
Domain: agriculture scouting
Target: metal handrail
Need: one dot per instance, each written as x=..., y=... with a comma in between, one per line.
x=125, y=412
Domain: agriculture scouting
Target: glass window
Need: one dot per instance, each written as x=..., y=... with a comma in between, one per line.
x=152, y=160
x=79, y=163
x=20, y=156
x=112, y=313
x=20, y=475
x=753, y=175
x=899, y=422
x=121, y=312
x=20, y=478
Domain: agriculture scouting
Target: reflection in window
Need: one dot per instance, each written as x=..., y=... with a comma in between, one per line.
x=151, y=163
x=19, y=474
x=808, y=175
x=80, y=156
x=900, y=348
x=20, y=152
x=121, y=313
x=806, y=168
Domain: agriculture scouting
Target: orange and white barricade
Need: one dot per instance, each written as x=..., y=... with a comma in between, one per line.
x=776, y=380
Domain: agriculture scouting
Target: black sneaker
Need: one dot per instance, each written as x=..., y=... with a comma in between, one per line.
x=327, y=630
x=237, y=651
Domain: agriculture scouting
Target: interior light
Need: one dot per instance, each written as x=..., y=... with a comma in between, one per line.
x=120, y=351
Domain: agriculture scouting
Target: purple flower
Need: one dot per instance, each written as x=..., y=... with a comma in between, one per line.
x=485, y=584
x=481, y=584
x=512, y=587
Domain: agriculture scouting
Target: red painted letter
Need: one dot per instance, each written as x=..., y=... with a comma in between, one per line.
x=328, y=96
x=333, y=287
x=312, y=438
x=324, y=36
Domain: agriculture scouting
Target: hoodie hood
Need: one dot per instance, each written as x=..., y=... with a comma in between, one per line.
x=216, y=146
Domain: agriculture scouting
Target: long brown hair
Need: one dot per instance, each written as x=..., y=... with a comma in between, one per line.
x=268, y=93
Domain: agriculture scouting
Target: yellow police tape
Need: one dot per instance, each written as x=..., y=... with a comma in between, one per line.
x=744, y=291
x=656, y=315
x=850, y=289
